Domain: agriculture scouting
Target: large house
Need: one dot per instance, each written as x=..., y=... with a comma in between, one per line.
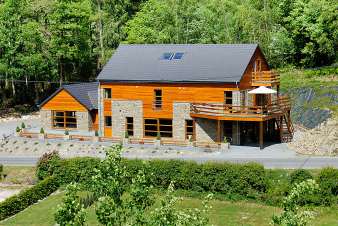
x=204, y=93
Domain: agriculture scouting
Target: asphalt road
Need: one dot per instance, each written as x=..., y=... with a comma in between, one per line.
x=292, y=163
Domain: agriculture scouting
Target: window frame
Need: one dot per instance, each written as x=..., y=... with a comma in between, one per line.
x=130, y=131
x=227, y=98
x=158, y=99
x=187, y=134
x=159, y=128
x=104, y=93
x=64, y=121
x=105, y=121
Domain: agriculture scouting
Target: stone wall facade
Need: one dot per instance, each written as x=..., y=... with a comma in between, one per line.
x=181, y=112
x=206, y=130
x=126, y=108
x=46, y=119
x=83, y=120
x=100, y=111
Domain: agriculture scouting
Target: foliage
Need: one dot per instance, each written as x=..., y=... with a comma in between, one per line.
x=328, y=184
x=71, y=212
x=18, y=129
x=47, y=164
x=1, y=171
x=292, y=215
x=300, y=175
x=19, y=202
x=66, y=132
x=23, y=126
x=42, y=131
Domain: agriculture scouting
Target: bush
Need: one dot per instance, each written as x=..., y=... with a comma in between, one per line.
x=1, y=170
x=299, y=176
x=42, y=131
x=47, y=164
x=24, y=199
x=23, y=126
x=328, y=184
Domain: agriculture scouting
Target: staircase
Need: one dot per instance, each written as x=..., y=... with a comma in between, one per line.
x=286, y=128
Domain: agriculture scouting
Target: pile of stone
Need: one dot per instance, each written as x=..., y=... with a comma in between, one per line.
x=16, y=118
x=322, y=140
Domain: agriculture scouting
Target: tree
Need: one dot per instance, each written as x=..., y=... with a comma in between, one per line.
x=292, y=215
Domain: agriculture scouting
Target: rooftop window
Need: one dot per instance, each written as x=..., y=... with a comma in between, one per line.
x=178, y=56
x=172, y=56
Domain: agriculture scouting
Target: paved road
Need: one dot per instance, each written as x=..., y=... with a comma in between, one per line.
x=288, y=163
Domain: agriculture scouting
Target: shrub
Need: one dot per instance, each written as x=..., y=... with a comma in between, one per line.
x=24, y=199
x=1, y=170
x=299, y=176
x=66, y=132
x=42, y=131
x=96, y=133
x=17, y=129
x=328, y=184
x=23, y=126
x=47, y=164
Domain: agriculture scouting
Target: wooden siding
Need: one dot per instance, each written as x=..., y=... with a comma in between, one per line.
x=246, y=79
x=170, y=93
x=63, y=101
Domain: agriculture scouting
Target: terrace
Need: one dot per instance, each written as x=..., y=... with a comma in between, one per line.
x=264, y=78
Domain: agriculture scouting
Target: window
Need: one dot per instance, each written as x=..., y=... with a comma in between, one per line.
x=157, y=99
x=228, y=97
x=227, y=130
x=64, y=119
x=107, y=93
x=178, y=56
x=130, y=126
x=189, y=129
x=107, y=121
x=167, y=56
x=154, y=126
x=258, y=65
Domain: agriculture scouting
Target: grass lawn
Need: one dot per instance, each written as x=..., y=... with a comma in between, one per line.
x=222, y=213
x=18, y=175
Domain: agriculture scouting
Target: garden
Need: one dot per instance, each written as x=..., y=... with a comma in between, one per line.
x=116, y=191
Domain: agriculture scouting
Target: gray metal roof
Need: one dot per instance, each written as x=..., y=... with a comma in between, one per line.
x=200, y=63
x=86, y=93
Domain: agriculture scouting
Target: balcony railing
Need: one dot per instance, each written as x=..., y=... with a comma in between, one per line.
x=262, y=78
x=278, y=106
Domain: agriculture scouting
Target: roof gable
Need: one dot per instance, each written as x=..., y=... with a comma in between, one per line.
x=199, y=63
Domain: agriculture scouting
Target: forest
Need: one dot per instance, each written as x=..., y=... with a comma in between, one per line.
x=46, y=43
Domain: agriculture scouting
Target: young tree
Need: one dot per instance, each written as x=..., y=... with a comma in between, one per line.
x=292, y=215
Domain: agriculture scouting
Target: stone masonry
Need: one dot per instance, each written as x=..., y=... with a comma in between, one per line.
x=206, y=130
x=126, y=108
x=100, y=111
x=181, y=112
x=83, y=120
x=46, y=119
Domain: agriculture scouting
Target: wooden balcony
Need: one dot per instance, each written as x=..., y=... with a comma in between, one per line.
x=220, y=111
x=264, y=78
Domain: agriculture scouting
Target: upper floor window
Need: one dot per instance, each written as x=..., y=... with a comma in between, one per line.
x=107, y=93
x=228, y=97
x=157, y=98
x=107, y=121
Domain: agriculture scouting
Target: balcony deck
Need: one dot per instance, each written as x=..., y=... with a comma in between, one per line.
x=220, y=111
x=264, y=78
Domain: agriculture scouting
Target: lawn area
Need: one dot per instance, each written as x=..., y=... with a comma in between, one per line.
x=222, y=213
x=18, y=175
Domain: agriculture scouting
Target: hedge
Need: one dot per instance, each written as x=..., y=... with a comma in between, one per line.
x=28, y=197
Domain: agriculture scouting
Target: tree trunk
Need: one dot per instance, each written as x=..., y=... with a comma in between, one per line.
x=13, y=87
x=100, y=28
x=61, y=72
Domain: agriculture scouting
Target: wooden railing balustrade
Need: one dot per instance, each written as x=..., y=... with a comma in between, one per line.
x=261, y=78
x=280, y=105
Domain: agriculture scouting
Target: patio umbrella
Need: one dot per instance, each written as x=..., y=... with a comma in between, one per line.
x=262, y=90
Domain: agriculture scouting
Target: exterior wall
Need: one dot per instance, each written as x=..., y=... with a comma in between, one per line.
x=83, y=120
x=171, y=93
x=206, y=130
x=100, y=111
x=122, y=109
x=46, y=119
x=63, y=101
x=181, y=112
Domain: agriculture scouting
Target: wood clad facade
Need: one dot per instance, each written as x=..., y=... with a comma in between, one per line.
x=63, y=101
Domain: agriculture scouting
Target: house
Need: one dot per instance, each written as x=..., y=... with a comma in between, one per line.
x=71, y=107
x=186, y=92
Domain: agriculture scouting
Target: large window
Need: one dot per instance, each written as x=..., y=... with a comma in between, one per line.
x=154, y=126
x=157, y=99
x=189, y=129
x=228, y=97
x=130, y=126
x=64, y=119
x=107, y=93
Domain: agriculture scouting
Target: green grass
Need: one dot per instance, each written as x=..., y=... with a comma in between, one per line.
x=19, y=175
x=222, y=213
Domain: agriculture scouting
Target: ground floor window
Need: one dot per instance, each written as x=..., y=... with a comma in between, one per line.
x=107, y=121
x=130, y=126
x=163, y=127
x=64, y=119
x=189, y=129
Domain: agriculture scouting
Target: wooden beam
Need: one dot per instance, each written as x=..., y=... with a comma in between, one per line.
x=218, y=131
x=261, y=135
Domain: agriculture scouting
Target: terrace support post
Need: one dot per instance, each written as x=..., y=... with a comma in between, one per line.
x=261, y=135
x=218, y=131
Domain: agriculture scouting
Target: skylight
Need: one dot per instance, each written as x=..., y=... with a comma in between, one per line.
x=172, y=56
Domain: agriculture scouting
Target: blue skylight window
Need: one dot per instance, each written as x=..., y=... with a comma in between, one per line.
x=167, y=56
x=178, y=56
